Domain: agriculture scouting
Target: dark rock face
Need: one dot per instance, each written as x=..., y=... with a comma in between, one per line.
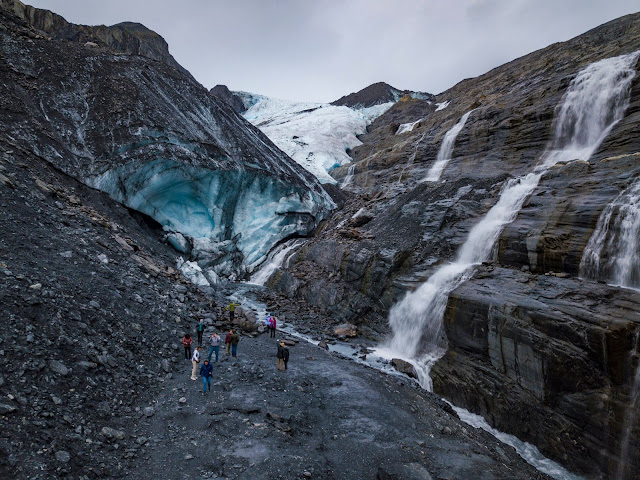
x=155, y=140
x=223, y=93
x=357, y=269
x=377, y=94
x=126, y=37
x=538, y=354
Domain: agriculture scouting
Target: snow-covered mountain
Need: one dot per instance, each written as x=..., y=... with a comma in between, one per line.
x=318, y=136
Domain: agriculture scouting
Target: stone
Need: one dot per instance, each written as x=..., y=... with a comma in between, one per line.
x=149, y=411
x=346, y=330
x=63, y=456
x=112, y=434
x=102, y=258
x=182, y=400
x=404, y=367
x=4, y=409
x=36, y=286
x=58, y=367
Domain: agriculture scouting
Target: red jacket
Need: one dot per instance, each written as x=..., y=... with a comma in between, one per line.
x=227, y=339
x=187, y=341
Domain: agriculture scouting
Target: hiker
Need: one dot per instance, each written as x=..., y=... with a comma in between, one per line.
x=227, y=341
x=272, y=325
x=206, y=372
x=234, y=343
x=280, y=356
x=200, y=330
x=232, y=310
x=214, y=340
x=285, y=355
x=186, y=343
x=195, y=360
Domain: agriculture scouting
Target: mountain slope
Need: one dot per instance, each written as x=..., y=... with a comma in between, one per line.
x=155, y=140
x=400, y=229
x=377, y=94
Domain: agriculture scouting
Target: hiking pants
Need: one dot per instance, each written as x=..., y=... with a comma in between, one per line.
x=214, y=349
x=193, y=370
x=200, y=337
x=206, y=382
x=187, y=352
x=234, y=350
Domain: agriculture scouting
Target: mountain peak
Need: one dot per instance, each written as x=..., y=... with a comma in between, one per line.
x=379, y=93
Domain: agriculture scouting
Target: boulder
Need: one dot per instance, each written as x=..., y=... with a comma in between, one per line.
x=346, y=330
x=404, y=367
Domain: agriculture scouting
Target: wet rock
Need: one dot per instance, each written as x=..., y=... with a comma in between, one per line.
x=404, y=367
x=346, y=330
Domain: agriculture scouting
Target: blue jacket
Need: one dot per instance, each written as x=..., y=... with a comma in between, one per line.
x=206, y=370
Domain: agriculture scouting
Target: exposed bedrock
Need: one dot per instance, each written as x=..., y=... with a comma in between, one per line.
x=550, y=360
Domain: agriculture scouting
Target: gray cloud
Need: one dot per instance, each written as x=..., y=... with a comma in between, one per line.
x=319, y=50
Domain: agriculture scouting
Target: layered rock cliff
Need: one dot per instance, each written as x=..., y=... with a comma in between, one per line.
x=398, y=228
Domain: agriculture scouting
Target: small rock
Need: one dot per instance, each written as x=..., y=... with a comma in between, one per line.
x=58, y=367
x=183, y=400
x=188, y=456
x=112, y=434
x=346, y=330
x=36, y=286
x=149, y=411
x=324, y=345
x=102, y=258
x=67, y=254
x=4, y=408
x=62, y=456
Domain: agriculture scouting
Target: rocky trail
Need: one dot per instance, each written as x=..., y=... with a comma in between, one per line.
x=325, y=417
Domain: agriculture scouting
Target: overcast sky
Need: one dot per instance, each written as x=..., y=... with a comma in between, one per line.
x=319, y=50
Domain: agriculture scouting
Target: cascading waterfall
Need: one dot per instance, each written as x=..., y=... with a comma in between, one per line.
x=412, y=157
x=349, y=177
x=446, y=149
x=275, y=260
x=613, y=251
x=595, y=100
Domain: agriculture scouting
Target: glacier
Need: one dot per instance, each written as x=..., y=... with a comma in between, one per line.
x=317, y=136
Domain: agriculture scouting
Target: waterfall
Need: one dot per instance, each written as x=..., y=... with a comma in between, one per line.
x=595, y=100
x=275, y=260
x=349, y=177
x=446, y=149
x=613, y=251
x=412, y=157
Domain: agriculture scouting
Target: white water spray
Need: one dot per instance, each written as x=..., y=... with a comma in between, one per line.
x=275, y=260
x=613, y=251
x=594, y=102
x=349, y=177
x=446, y=149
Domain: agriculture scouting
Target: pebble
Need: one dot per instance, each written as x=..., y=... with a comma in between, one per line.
x=183, y=400
x=149, y=411
x=36, y=286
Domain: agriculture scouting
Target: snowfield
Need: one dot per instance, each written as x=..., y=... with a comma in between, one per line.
x=316, y=135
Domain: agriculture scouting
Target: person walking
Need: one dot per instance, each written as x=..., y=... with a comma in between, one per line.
x=235, y=338
x=285, y=355
x=214, y=340
x=186, y=343
x=232, y=310
x=200, y=330
x=273, y=326
x=195, y=360
x=227, y=341
x=280, y=356
x=206, y=372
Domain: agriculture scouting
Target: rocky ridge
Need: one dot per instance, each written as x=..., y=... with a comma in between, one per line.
x=377, y=94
